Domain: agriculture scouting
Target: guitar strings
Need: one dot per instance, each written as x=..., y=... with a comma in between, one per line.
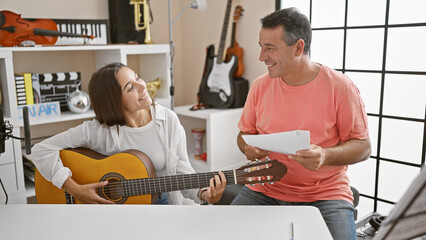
x=136, y=187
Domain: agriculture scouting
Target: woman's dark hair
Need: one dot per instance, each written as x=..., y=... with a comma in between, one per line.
x=295, y=26
x=105, y=94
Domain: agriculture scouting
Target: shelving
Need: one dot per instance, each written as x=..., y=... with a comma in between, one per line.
x=220, y=141
x=150, y=61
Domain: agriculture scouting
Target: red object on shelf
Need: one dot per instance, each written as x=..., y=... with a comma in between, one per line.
x=203, y=156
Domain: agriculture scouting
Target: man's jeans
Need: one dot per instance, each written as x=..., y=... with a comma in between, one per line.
x=338, y=214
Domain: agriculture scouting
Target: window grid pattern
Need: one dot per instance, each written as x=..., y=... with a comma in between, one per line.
x=383, y=72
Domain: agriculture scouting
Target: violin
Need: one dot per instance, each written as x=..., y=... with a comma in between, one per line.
x=235, y=49
x=14, y=30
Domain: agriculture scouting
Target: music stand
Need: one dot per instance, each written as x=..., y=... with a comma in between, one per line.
x=407, y=219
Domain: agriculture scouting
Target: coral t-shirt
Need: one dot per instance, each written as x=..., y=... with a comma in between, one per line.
x=330, y=107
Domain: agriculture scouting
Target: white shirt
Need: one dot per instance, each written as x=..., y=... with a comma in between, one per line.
x=148, y=140
x=109, y=141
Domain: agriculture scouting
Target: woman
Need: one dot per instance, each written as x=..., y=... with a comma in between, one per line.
x=126, y=118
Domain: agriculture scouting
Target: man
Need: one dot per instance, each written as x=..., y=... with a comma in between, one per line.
x=300, y=94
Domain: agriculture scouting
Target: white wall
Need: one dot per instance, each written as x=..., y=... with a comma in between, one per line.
x=192, y=33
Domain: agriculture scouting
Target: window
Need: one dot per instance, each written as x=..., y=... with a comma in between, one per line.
x=380, y=45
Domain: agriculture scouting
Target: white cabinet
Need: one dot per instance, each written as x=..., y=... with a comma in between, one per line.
x=220, y=141
x=150, y=61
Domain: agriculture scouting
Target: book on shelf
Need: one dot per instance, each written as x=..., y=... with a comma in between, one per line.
x=21, y=96
x=28, y=88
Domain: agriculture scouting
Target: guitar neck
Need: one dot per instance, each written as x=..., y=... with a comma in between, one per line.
x=234, y=26
x=143, y=186
x=224, y=31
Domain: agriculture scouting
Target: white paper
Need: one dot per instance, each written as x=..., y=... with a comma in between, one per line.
x=284, y=142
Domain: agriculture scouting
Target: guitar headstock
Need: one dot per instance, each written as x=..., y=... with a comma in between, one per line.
x=267, y=171
x=238, y=12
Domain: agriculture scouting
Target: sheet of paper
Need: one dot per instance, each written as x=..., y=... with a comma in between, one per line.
x=284, y=142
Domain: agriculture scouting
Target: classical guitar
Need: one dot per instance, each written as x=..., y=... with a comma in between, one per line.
x=132, y=179
x=235, y=49
x=217, y=85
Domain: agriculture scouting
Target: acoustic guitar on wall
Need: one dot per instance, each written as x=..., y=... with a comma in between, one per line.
x=132, y=180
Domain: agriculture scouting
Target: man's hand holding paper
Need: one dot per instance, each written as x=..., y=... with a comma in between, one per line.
x=311, y=159
x=295, y=144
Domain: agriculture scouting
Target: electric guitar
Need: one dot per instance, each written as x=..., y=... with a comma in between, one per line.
x=132, y=179
x=235, y=49
x=217, y=88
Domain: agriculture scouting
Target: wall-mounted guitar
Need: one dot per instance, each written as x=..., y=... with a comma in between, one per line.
x=235, y=49
x=132, y=180
x=14, y=30
x=216, y=89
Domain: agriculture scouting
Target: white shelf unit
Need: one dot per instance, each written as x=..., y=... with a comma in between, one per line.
x=220, y=140
x=151, y=61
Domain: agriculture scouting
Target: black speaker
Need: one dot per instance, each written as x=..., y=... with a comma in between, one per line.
x=241, y=88
x=122, y=23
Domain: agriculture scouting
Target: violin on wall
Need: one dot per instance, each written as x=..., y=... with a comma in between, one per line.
x=14, y=30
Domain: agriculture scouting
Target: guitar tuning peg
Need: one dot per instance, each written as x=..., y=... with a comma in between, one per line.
x=259, y=179
x=258, y=168
x=247, y=170
x=262, y=184
x=268, y=177
x=267, y=159
x=252, y=184
x=272, y=183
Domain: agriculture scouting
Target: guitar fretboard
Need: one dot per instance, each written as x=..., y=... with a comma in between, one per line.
x=223, y=35
x=142, y=186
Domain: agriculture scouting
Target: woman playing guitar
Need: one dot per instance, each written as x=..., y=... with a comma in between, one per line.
x=126, y=118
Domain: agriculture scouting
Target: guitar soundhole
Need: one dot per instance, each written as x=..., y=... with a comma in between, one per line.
x=114, y=191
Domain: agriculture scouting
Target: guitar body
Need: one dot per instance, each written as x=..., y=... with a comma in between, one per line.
x=236, y=51
x=89, y=167
x=218, y=73
x=220, y=88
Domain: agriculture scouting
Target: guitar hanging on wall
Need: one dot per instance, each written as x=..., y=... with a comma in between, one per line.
x=235, y=49
x=216, y=89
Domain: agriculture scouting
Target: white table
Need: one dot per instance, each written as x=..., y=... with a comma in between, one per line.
x=160, y=222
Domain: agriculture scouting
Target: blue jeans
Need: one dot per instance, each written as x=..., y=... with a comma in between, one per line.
x=337, y=214
x=162, y=199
